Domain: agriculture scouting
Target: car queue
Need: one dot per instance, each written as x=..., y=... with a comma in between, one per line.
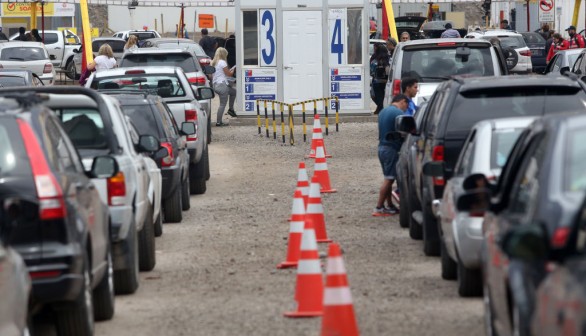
x=89, y=176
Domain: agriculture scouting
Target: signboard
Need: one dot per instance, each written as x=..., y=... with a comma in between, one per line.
x=546, y=12
x=267, y=37
x=346, y=84
x=205, y=21
x=259, y=84
x=23, y=9
x=337, y=36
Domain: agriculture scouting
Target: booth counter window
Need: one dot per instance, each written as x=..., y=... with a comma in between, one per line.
x=250, y=37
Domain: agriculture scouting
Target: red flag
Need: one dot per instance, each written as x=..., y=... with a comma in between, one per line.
x=385, y=30
x=83, y=58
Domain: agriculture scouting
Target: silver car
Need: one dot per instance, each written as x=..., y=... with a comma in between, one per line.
x=27, y=55
x=116, y=43
x=485, y=151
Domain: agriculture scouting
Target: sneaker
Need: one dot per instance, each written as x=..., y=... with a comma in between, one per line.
x=232, y=113
x=222, y=124
x=381, y=212
x=391, y=210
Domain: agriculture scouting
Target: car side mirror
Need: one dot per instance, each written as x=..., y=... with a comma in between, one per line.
x=526, y=242
x=148, y=144
x=161, y=153
x=474, y=202
x=204, y=93
x=103, y=167
x=208, y=70
x=188, y=128
x=77, y=51
x=52, y=57
x=405, y=124
x=434, y=169
x=564, y=70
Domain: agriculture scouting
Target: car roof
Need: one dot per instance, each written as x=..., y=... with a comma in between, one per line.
x=496, y=33
x=16, y=71
x=437, y=41
x=480, y=83
x=20, y=44
x=170, y=39
x=147, y=70
x=159, y=51
x=505, y=123
x=111, y=38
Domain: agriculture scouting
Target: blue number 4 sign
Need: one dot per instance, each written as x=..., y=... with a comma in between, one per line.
x=337, y=47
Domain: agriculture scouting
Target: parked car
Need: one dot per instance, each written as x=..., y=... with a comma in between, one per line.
x=434, y=29
x=141, y=34
x=116, y=43
x=27, y=56
x=14, y=77
x=485, y=151
x=433, y=61
x=536, y=44
x=63, y=230
x=517, y=53
x=61, y=46
x=411, y=25
x=562, y=61
x=184, y=43
x=579, y=67
x=183, y=101
x=15, y=283
x=542, y=184
x=448, y=122
x=150, y=115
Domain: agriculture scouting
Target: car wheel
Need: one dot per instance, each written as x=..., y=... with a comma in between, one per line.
x=185, y=195
x=173, y=207
x=488, y=314
x=71, y=71
x=104, y=293
x=431, y=244
x=126, y=280
x=146, y=244
x=197, y=175
x=77, y=318
x=449, y=266
x=159, y=224
x=469, y=281
x=405, y=211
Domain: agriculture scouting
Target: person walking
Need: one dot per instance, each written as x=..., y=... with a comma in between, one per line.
x=221, y=87
x=379, y=70
x=450, y=32
x=410, y=88
x=558, y=44
x=131, y=44
x=576, y=40
x=389, y=145
x=105, y=59
x=207, y=43
x=230, y=46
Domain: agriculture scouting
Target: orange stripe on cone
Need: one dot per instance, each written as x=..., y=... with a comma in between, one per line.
x=309, y=289
x=302, y=183
x=321, y=170
x=316, y=135
x=315, y=212
x=296, y=228
x=338, y=318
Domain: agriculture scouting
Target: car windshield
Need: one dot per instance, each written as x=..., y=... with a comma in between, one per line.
x=438, y=64
x=84, y=126
x=117, y=46
x=533, y=38
x=575, y=161
x=22, y=54
x=13, y=157
x=142, y=118
x=514, y=42
x=193, y=47
x=183, y=60
x=10, y=81
x=165, y=85
x=572, y=59
x=143, y=35
x=502, y=143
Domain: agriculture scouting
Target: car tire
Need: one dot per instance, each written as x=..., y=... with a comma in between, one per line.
x=469, y=281
x=431, y=246
x=71, y=71
x=126, y=280
x=159, y=224
x=104, y=293
x=76, y=318
x=146, y=244
x=197, y=176
x=185, y=195
x=449, y=266
x=405, y=211
x=173, y=207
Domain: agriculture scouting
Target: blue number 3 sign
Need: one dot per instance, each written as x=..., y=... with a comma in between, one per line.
x=269, y=56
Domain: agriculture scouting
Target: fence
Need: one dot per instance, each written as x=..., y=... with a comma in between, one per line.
x=281, y=108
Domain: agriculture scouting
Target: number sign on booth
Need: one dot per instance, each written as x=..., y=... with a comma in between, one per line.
x=337, y=36
x=267, y=38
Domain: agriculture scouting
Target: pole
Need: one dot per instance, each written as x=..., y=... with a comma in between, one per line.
x=33, y=15
x=156, y=28
x=226, y=30
x=258, y=116
x=528, y=17
x=162, y=25
x=43, y=20
x=87, y=33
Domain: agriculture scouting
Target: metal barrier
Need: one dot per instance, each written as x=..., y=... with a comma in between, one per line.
x=290, y=119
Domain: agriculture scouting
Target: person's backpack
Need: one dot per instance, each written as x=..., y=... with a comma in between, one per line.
x=380, y=73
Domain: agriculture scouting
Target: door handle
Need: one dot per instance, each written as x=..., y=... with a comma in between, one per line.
x=288, y=67
x=57, y=48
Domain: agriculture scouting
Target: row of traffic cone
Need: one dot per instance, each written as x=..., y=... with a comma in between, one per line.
x=307, y=229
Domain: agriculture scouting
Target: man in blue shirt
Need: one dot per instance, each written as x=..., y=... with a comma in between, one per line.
x=410, y=87
x=389, y=145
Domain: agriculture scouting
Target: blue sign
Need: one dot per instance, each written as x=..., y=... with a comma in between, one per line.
x=260, y=96
x=249, y=106
x=260, y=79
x=343, y=78
x=249, y=88
x=335, y=87
x=348, y=95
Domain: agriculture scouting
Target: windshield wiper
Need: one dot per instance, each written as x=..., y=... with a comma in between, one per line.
x=16, y=58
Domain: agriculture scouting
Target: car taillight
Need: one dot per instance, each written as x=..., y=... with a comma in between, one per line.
x=116, y=189
x=44, y=274
x=48, y=68
x=446, y=43
x=169, y=160
x=560, y=237
x=438, y=155
x=396, y=87
x=134, y=72
x=205, y=61
x=525, y=53
x=51, y=202
x=199, y=81
x=191, y=115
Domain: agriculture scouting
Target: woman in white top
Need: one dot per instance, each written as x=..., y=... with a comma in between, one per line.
x=220, y=82
x=105, y=60
x=131, y=44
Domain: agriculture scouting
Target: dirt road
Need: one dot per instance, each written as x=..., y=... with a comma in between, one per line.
x=216, y=275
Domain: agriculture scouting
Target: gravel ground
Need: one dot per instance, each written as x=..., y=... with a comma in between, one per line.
x=216, y=275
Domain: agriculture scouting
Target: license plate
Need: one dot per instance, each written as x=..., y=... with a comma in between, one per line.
x=537, y=52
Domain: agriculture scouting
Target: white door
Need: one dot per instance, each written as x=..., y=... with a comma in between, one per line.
x=302, y=55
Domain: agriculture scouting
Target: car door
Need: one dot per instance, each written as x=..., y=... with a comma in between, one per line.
x=550, y=66
x=55, y=45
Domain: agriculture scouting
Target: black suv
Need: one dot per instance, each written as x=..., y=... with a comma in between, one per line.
x=453, y=109
x=59, y=225
x=150, y=116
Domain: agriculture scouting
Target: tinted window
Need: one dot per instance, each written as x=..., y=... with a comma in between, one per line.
x=166, y=85
x=250, y=37
x=184, y=61
x=9, y=81
x=144, y=35
x=437, y=64
x=526, y=185
x=50, y=38
x=117, y=46
x=142, y=118
x=193, y=47
x=509, y=41
x=533, y=38
x=84, y=127
x=13, y=157
x=23, y=54
x=58, y=154
x=503, y=141
x=472, y=107
x=575, y=161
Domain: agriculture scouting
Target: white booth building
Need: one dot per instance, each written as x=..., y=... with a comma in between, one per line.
x=297, y=50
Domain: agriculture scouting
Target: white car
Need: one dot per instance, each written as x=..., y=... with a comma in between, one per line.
x=31, y=56
x=517, y=53
x=141, y=34
x=15, y=286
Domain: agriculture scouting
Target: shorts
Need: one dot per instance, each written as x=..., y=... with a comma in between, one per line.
x=388, y=157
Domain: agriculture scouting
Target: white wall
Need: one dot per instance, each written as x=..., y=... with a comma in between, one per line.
x=119, y=17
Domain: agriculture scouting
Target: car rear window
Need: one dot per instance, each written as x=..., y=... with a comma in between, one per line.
x=438, y=64
x=193, y=47
x=471, y=107
x=84, y=126
x=514, y=42
x=11, y=81
x=117, y=46
x=575, y=161
x=143, y=118
x=22, y=54
x=183, y=60
x=503, y=141
x=533, y=38
x=13, y=158
x=143, y=35
x=165, y=85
